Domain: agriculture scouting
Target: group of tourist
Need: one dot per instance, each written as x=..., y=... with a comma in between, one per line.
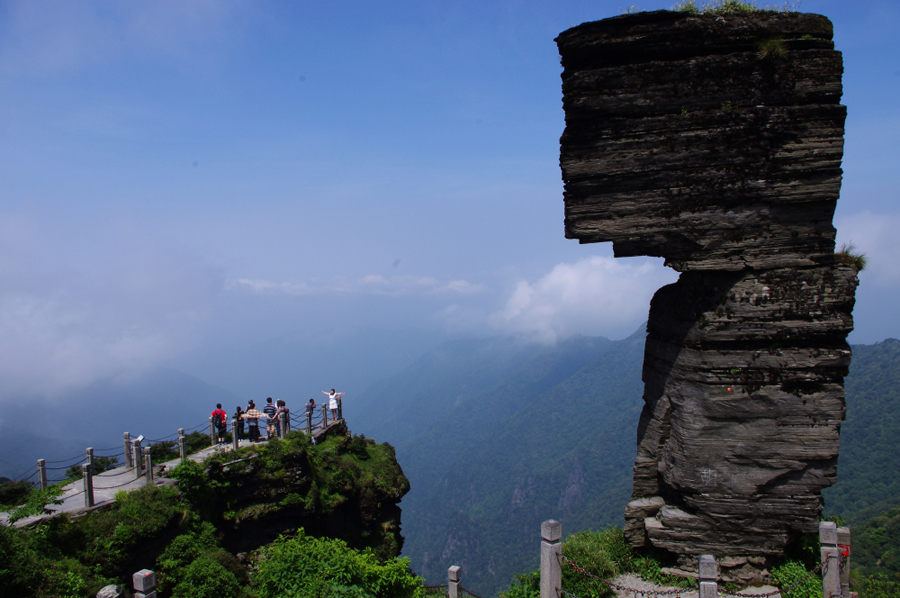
x=272, y=414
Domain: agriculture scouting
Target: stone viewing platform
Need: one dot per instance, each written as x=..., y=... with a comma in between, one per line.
x=94, y=491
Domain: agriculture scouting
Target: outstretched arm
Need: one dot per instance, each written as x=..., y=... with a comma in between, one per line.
x=325, y=393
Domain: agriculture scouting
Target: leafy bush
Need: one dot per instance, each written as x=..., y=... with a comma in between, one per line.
x=307, y=567
x=603, y=555
x=792, y=572
x=206, y=578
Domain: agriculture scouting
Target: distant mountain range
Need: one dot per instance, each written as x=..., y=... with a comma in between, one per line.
x=496, y=436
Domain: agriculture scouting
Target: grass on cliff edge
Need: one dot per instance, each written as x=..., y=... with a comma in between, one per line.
x=726, y=7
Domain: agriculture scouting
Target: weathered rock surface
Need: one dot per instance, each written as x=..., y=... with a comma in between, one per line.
x=716, y=143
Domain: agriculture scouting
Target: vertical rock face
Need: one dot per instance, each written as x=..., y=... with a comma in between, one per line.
x=715, y=141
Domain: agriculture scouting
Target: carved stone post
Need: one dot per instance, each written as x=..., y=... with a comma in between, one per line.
x=309, y=422
x=324, y=416
x=148, y=465
x=212, y=433
x=831, y=571
x=129, y=463
x=282, y=425
x=144, y=584
x=235, y=443
x=136, y=457
x=340, y=410
x=86, y=475
x=90, y=456
x=181, y=450
x=453, y=581
x=843, y=540
x=709, y=574
x=42, y=474
x=551, y=567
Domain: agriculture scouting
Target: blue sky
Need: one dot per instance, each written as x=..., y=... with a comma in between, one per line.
x=176, y=178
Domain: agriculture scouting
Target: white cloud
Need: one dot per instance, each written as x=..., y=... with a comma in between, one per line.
x=72, y=312
x=597, y=295
x=876, y=236
x=371, y=284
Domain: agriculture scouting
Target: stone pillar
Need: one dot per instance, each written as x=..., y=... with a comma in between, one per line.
x=340, y=409
x=324, y=416
x=281, y=425
x=551, y=551
x=709, y=574
x=148, y=465
x=733, y=180
x=144, y=584
x=89, y=453
x=453, y=581
x=831, y=570
x=129, y=463
x=86, y=475
x=181, y=453
x=843, y=540
x=213, y=440
x=42, y=474
x=136, y=457
x=309, y=422
x=235, y=443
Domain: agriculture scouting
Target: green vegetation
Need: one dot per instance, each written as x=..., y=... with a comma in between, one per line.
x=794, y=575
x=772, y=48
x=875, y=557
x=848, y=255
x=725, y=7
x=306, y=567
x=76, y=557
x=183, y=532
x=602, y=555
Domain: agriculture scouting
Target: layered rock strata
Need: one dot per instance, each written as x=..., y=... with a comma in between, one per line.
x=715, y=141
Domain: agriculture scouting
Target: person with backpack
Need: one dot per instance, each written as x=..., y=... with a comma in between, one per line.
x=220, y=419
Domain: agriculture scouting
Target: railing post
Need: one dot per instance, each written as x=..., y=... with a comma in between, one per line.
x=281, y=425
x=42, y=474
x=453, y=582
x=90, y=457
x=324, y=416
x=148, y=465
x=212, y=433
x=86, y=473
x=843, y=540
x=234, y=435
x=340, y=411
x=181, y=449
x=136, y=457
x=309, y=422
x=831, y=570
x=551, y=567
x=709, y=575
x=144, y=582
x=128, y=461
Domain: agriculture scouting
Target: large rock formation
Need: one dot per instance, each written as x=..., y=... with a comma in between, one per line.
x=715, y=141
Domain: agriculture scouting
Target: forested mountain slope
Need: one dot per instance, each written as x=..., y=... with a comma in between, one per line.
x=496, y=437
x=869, y=463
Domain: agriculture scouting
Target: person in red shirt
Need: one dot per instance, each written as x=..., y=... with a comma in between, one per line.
x=220, y=419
